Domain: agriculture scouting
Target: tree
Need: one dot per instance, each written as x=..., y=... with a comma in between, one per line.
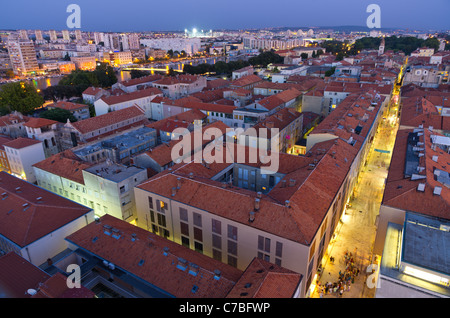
x=330, y=71
x=58, y=114
x=138, y=73
x=170, y=53
x=67, y=57
x=304, y=56
x=20, y=96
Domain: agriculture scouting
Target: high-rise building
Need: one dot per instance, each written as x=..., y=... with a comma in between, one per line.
x=125, y=46
x=133, y=40
x=23, y=35
x=53, y=37
x=66, y=35
x=78, y=35
x=23, y=57
x=38, y=34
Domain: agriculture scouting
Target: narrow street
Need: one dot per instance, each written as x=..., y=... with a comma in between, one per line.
x=355, y=234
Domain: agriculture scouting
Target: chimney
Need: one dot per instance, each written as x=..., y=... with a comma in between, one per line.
x=258, y=195
x=178, y=183
x=257, y=201
x=287, y=203
x=251, y=217
x=174, y=191
x=191, y=175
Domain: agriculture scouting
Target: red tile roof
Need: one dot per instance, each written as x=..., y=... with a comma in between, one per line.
x=24, y=219
x=13, y=117
x=39, y=122
x=401, y=192
x=262, y=279
x=17, y=275
x=94, y=123
x=66, y=165
x=93, y=91
x=56, y=287
x=121, y=98
x=68, y=106
x=142, y=80
x=178, y=79
x=246, y=81
x=20, y=143
x=144, y=257
x=298, y=222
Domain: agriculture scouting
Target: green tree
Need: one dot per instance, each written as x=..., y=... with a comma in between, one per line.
x=138, y=73
x=330, y=71
x=304, y=56
x=58, y=114
x=170, y=53
x=20, y=96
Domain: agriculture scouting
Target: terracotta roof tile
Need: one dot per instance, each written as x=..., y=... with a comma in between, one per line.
x=20, y=143
x=144, y=257
x=25, y=219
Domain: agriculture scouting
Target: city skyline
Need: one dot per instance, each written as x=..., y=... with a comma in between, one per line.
x=151, y=16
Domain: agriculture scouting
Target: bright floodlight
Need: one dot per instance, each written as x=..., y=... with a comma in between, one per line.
x=194, y=30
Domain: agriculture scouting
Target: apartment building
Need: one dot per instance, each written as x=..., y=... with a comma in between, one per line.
x=83, y=131
x=12, y=125
x=105, y=187
x=85, y=63
x=22, y=153
x=44, y=130
x=4, y=162
x=141, y=98
x=142, y=264
x=36, y=221
x=414, y=218
x=92, y=94
x=245, y=71
x=22, y=55
x=118, y=148
x=287, y=121
x=118, y=58
x=79, y=111
x=179, y=86
x=136, y=84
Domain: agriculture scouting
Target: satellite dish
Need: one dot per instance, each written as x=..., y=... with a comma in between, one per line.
x=31, y=291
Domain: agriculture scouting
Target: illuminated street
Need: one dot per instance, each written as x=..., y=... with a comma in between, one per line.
x=357, y=229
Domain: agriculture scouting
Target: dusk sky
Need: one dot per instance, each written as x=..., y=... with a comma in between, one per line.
x=152, y=15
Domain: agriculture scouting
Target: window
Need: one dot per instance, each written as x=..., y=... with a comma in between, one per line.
x=183, y=214
x=279, y=249
x=232, y=232
x=216, y=226
x=198, y=234
x=232, y=261
x=150, y=202
x=184, y=228
x=264, y=244
x=198, y=247
x=197, y=219
x=217, y=255
x=217, y=241
x=232, y=247
x=161, y=219
x=185, y=242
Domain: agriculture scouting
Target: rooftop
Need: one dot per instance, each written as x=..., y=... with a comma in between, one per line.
x=28, y=212
x=164, y=265
x=95, y=123
x=113, y=172
x=21, y=142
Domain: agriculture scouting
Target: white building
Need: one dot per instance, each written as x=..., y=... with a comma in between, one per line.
x=106, y=188
x=35, y=222
x=22, y=153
